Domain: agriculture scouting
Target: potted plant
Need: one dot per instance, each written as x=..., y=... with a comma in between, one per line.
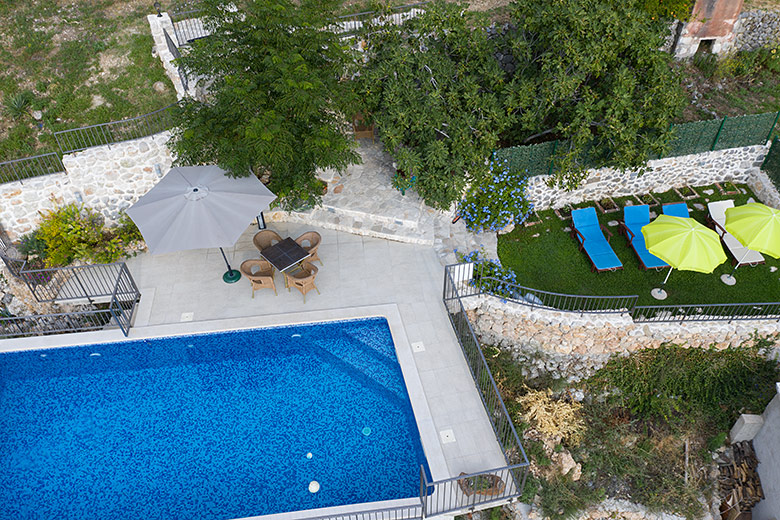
x=564, y=213
x=727, y=188
x=607, y=205
x=486, y=485
x=686, y=193
x=647, y=198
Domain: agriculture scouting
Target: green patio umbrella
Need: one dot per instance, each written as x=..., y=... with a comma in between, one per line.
x=684, y=244
x=756, y=226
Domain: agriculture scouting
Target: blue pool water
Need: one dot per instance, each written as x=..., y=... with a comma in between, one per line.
x=211, y=426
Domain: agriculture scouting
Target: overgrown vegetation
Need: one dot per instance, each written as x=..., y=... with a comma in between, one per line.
x=275, y=102
x=76, y=64
x=435, y=90
x=640, y=452
x=74, y=232
x=608, y=99
x=544, y=256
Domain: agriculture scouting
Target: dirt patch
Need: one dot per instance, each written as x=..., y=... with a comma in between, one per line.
x=128, y=7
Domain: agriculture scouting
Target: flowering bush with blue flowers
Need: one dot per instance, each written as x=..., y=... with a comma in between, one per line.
x=496, y=199
x=490, y=275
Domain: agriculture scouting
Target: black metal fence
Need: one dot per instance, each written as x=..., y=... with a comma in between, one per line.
x=471, y=282
x=480, y=282
x=176, y=55
x=771, y=164
x=451, y=494
x=690, y=138
x=413, y=512
x=187, y=24
x=708, y=312
x=107, y=291
x=349, y=25
x=28, y=167
x=78, y=139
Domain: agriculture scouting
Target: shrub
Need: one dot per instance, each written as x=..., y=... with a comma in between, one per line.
x=33, y=245
x=496, y=199
x=680, y=384
x=553, y=418
x=74, y=232
x=16, y=105
x=670, y=9
x=490, y=275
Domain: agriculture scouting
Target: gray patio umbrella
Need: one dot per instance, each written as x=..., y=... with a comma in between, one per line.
x=199, y=207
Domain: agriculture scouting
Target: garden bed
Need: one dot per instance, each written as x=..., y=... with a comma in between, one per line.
x=553, y=262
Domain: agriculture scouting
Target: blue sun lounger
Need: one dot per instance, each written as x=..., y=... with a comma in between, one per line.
x=676, y=209
x=587, y=231
x=634, y=218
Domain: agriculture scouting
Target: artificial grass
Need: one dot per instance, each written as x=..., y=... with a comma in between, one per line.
x=546, y=257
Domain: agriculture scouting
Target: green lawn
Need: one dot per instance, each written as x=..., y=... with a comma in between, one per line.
x=545, y=257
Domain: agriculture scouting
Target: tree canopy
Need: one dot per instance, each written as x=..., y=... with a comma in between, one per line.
x=590, y=73
x=433, y=87
x=273, y=101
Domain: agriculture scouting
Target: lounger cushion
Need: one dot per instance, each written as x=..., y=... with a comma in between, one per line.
x=740, y=253
x=679, y=209
x=634, y=218
x=595, y=244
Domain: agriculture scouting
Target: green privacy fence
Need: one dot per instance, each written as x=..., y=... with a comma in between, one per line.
x=690, y=138
x=772, y=163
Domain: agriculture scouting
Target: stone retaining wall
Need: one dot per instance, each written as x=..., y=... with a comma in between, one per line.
x=107, y=178
x=573, y=346
x=735, y=164
x=756, y=29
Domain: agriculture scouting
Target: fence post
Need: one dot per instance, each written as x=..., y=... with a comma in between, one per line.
x=715, y=143
x=552, y=156
x=773, y=126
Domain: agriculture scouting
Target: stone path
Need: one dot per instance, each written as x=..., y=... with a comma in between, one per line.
x=363, y=201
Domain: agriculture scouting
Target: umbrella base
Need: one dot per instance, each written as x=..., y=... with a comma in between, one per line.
x=728, y=279
x=658, y=294
x=231, y=276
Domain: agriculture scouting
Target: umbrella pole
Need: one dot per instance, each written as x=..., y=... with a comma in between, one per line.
x=667, y=277
x=729, y=279
x=231, y=275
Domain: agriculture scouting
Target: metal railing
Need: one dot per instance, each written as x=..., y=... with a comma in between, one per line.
x=413, y=512
x=451, y=494
x=176, y=55
x=472, y=282
x=188, y=25
x=28, y=167
x=536, y=298
x=78, y=139
x=108, y=290
x=706, y=312
x=349, y=25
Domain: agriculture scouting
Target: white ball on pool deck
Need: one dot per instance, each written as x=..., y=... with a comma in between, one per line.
x=314, y=486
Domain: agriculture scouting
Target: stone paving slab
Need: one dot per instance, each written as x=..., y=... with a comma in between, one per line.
x=363, y=201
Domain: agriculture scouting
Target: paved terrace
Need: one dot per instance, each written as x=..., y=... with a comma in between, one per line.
x=358, y=271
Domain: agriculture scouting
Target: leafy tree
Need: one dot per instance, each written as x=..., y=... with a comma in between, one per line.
x=273, y=100
x=590, y=73
x=434, y=88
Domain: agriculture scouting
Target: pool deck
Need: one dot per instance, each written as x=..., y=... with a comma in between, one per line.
x=357, y=271
x=184, y=293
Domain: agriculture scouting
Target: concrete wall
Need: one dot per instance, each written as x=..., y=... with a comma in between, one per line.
x=767, y=445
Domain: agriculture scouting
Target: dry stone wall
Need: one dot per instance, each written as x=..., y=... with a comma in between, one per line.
x=756, y=29
x=106, y=178
x=736, y=164
x=573, y=346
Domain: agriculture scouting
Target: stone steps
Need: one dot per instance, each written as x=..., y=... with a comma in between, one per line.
x=358, y=223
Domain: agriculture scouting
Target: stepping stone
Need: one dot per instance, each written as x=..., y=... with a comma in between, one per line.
x=567, y=229
x=612, y=223
x=708, y=192
x=698, y=206
x=653, y=214
x=751, y=199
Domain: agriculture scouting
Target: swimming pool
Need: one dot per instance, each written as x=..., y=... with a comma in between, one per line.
x=210, y=426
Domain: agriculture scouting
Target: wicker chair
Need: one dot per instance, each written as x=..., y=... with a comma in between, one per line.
x=260, y=274
x=266, y=238
x=314, y=239
x=303, y=279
